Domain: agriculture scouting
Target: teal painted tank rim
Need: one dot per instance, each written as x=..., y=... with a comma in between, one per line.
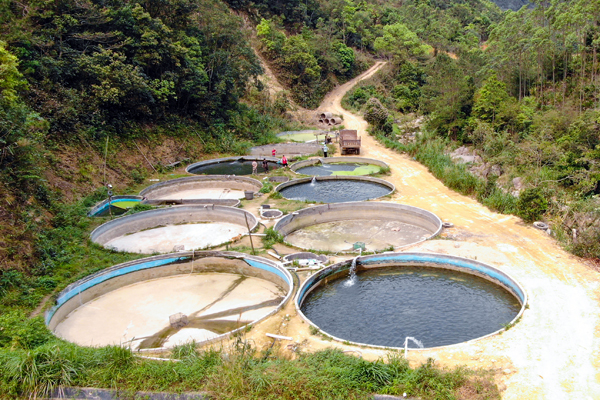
x=435, y=260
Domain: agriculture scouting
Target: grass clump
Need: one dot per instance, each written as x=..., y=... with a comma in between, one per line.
x=140, y=207
x=267, y=187
x=271, y=238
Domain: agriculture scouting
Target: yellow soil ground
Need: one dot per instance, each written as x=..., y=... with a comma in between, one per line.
x=553, y=352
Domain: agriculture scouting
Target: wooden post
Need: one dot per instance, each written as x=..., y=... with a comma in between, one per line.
x=249, y=233
x=105, y=155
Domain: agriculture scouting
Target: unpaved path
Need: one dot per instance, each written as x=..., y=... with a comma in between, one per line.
x=553, y=352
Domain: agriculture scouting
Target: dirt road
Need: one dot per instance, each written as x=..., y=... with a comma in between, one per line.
x=553, y=352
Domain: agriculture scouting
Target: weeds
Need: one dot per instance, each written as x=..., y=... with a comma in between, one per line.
x=267, y=187
x=234, y=373
x=271, y=238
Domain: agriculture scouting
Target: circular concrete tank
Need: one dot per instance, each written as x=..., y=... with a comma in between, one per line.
x=231, y=166
x=339, y=166
x=118, y=205
x=174, y=229
x=186, y=190
x=436, y=299
x=335, y=189
x=166, y=300
x=378, y=225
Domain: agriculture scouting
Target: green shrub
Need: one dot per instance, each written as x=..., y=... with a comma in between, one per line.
x=19, y=331
x=271, y=237
x=531, y=204
x=267, y=187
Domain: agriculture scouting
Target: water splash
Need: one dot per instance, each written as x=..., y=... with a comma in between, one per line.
x=352, y=271
x=323, y=164
x=313, y=182
x=416, y=341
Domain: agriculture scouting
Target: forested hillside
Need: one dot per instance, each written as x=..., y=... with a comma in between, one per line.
x=511, y=4
x=522, y=94
x=79, y=78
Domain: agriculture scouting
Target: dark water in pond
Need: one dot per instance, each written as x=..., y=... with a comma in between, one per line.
x=335, y=191
x=327, y=169
x=115, y=211
x=231, y=168
x=385, y=305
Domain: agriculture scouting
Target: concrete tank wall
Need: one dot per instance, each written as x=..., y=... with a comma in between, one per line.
x=170, y=216
x=413, y=259
x=333, y=160
x=109, y=279
x=359, y=210
x=164, y=189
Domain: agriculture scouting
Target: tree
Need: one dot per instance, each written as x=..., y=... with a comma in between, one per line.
x=20, y=128
x=398, y=40
x=490, y=100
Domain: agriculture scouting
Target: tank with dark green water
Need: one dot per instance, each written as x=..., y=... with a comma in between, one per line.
x=329, y=189
x=382, y=300
x=232, y=166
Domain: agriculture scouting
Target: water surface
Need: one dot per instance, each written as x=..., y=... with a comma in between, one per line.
x=231, y=168
x=335, y=191
x=385, y=305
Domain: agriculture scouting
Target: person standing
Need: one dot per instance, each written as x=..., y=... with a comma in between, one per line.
x=273, y=152
x=265, y=165
x=284, y=161
x=325, y=150
x=254, y=167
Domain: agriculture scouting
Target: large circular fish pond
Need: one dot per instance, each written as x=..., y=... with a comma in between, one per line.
x=163, y=301
x=339, y=166
x=335, y=189
x=232, y=166
x=438, y=300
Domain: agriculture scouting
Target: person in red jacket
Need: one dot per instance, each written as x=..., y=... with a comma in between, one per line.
x=274, y=151
x=284, y=161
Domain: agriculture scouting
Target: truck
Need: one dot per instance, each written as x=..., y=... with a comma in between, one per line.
x=349, y=141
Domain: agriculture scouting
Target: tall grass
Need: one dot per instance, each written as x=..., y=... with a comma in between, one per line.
x=239, y=372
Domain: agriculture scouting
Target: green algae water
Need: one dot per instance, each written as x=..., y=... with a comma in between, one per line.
x=383, y=306
x=339, y=169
